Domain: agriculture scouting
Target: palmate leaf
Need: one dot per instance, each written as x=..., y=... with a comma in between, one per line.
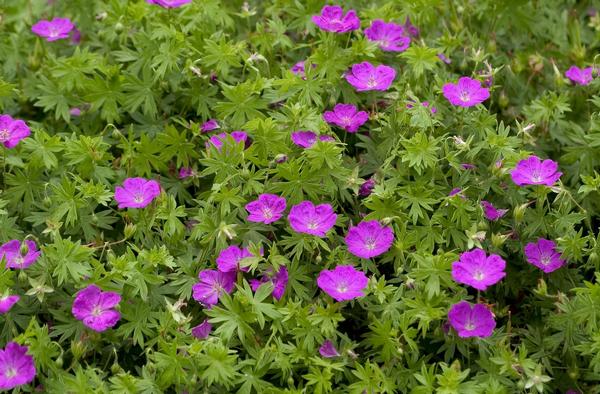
x=243, y=102
x=69, y=260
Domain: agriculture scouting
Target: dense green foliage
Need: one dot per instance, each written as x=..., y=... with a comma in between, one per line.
x=146, y=78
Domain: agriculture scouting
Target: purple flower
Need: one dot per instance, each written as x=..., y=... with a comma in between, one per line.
x=267, y=209
x=56, y=29
x=544, y=255
x=218, y=140
x=202, y=330
x=456, y=191
x=209, y=125
x=580, y=76
x=468, y=166
x=328, y=350
x=477, y=270
x=95, y=308
x=466, y=93
x=332, y=19
x=279, y=280
x=300, y=68
x=365, y=76
x=212, y=284
x=186, y=172
x=306, y=139
x=366, y=188
x=424, y=104
x=534, y=171
x=369, y=239
x=411, y=29
x=19, y=256
x=76, y=36
x=388, y=36
x=16, y=366
x=490, y=212
x=12, y=131
x=169, y=3
x=136, y=193
x=346, y=116
x=312, y=219
x=471, y=321
x=444, y=58
x=343, y=283
x=75, y=111
x=7, y=301
x=229, y=259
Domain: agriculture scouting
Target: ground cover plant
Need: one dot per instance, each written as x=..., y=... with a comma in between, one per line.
x=204, y=196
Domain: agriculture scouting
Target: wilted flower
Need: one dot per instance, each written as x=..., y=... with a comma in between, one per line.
x=229, y=259
x=543, y=254
x=328, y=350
x=369, y=239
x=411, y=29
x=212, y=284
x=186, y=172
x=75, y=111
x=136, y=192
x=492, y=213
x=169, y=3
x=16, y=257
x=94, y=308
x=468, y=166
x=312, y=219
x=16, y=366
x=306, y=138
x=580, y=76
x=365, y=76
x=366, y=188
x=471, y=321
x=267, y=209
x=346, y=116
x=466, y=93
x=218, y=140
x=300, y=68
x=209, y=125
x=343, y=283
x=56, y=29
x=456, y=191
x=388, y=36
x=424, y=104
x=12, y=131
x=332, y=19
x=202, y=330
x=534, y=171
x=477, y=270
x=7, y=301
x=279, y=280
x=444, y=58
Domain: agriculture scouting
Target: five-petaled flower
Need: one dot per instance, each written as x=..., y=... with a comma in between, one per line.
x=309, y=218
x=56, y=29
x=229, y=259
x=369, y=239
x=136, y=193
x=279, y=281
x=543, y=254
x=16, y=366
x=471, y=320
x=212, y=285
x=332, y=19
x=268, y=208
x=580, y=76
x=343, y=283
x=534, y=171
x=306, y=138
x=466, y=93
x=12, y=131
x=19, y=255
x=478, y=270
x=95, y=308
x=388, y=36
x=346, y=116
x=365, y=76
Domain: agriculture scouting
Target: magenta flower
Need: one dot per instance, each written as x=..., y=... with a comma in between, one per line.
x=279, y=280
x=543, y=254
x=365, y=76
x=388, y=36
x=534, y=171
x=267, y=209
x=229, y=259
x=328, y=350
x=218, y=140
x=332, y=19
x=12, y=131
x=411, y=29
x=7, y=301
x=209, y=125
x=369, y=239
x=580, y=76
x=477, y=270
x=56, y=29
x=212, y=285
x=306, y=139
x=75, y=111
x=136, y=193
x=492, y=213
x=95, y=308
x=169, y=3
x=19, y=256
x=456, y=191
x=343, y=283
x=16, y=366
x=312, y=219
x=186, y=172
x=202, y=330
x=471, y=321
x=366, y=188
x=346, y=116
x=466, y=93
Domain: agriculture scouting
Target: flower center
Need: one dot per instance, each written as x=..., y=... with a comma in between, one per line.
x=370, y=244
x=97, y=311
x=346, y=120
x=313, y=225
x=267, y=213
x=11, y=372
x=372, y=82
x=342, y=287
x=464, y=96
x=545, y=260
x=4, y=135
x=535, y=176
x=138, y=197
x=478, y=275
x=53, y=32
x=18, y=260
x=469, y=326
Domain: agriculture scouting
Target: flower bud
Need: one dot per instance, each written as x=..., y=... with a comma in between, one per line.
x=519, y=213
x=78, y=349
x=130, y=230
x=24, y=248
x=498, y=240
x=59, y=362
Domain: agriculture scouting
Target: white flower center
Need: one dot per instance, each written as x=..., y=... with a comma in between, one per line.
x=464, y=96
x=535, y=176
x=4, y=135
x=342, y=287
x=313, y=225
x=372, y=82
x=19, y=260
x=137, y=197
x=545, y=260
x=346, y=120
x=11, y=372
x=478, y=275
x=267, y=213
x=97, y=311
x=370, y=244
x=469, y=326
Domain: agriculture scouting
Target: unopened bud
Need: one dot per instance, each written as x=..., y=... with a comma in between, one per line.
x=130, y=230
x=519, y=212
x=498, y=240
